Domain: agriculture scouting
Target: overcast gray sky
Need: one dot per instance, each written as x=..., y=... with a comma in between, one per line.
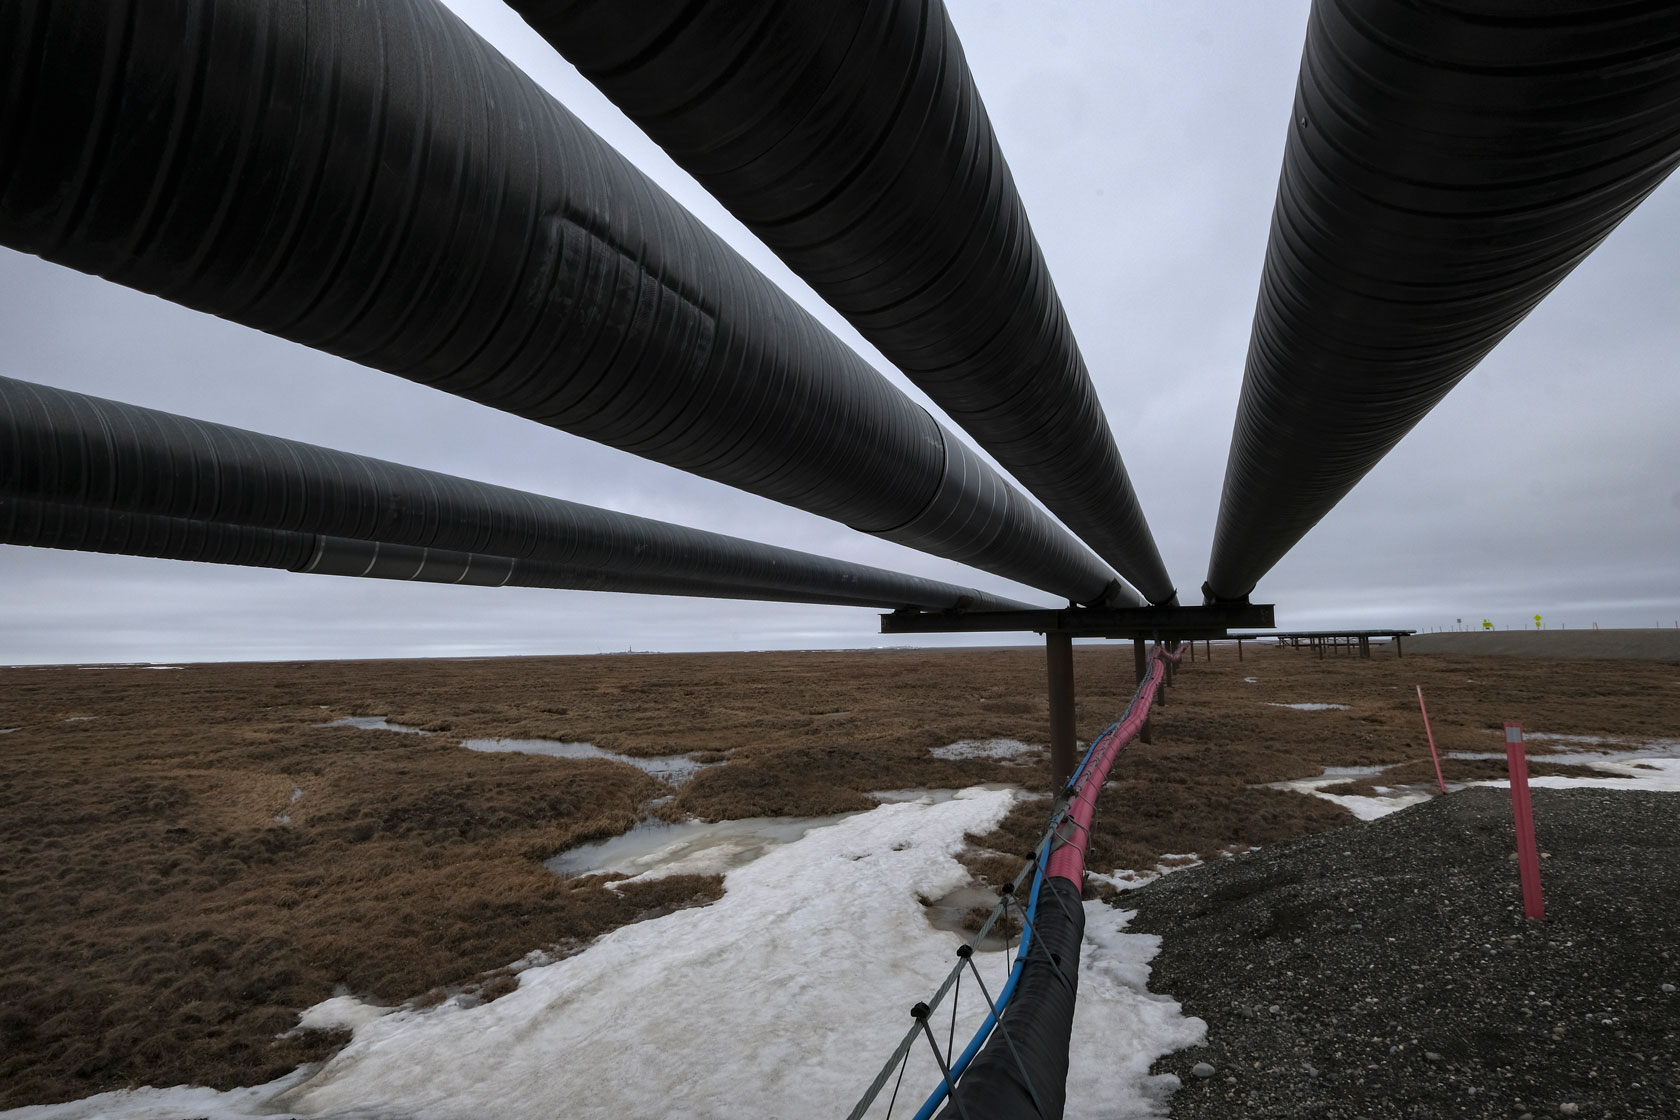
x=1145, y=139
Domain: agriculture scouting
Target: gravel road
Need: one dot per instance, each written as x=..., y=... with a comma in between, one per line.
x=1386, y=970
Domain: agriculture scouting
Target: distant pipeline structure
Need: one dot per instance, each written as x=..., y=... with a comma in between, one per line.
x=377, y=182
x=1447, y=165
x=852, y=140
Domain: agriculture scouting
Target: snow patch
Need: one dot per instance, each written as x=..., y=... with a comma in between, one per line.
x=1649, y=765
x=373, y=723
x=1126, y=879
x=1366, y=808
x=1312, y=707
x=1645, y=774
x=1120, y=1027
x=674, y=769
x=176, y=1103
x=984, y=748
x=783, y=998
x=340, y=1013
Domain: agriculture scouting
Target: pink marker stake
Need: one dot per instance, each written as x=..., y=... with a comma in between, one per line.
x=1440, y=780
x=1528, y=852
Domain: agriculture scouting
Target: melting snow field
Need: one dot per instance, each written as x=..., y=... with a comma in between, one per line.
x=783, y=998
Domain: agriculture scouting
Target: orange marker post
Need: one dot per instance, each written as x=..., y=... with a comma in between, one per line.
x=1442, y=782
x=1528, y=852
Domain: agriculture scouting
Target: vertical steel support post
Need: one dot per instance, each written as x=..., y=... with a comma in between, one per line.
x=1141, y=660
x=1239, y=649
x=1058, y=648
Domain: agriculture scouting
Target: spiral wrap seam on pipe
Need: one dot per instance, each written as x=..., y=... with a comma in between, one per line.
x=852, y=140
x=189, y=486
x=1448, y=163
x=373, y=180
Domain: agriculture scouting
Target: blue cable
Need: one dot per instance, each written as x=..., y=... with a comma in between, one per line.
x=985, y=1028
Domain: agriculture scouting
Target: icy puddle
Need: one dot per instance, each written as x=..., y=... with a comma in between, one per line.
x=654, y=849
x=374, y=723
x=1312, y=707
x=675, y=769
x=1006, y=750
x=783, y=998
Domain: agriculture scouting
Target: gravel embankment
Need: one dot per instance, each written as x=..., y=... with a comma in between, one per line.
x=1386, y=969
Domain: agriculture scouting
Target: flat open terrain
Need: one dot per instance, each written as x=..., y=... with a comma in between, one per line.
x=188, y=858
x=1577, y=645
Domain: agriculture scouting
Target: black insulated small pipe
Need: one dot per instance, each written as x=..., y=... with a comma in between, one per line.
x=1447, y=165
x=1040, y=1013
x=91, y=529
x=852, y=140
x=75, y=450
x=375, y=181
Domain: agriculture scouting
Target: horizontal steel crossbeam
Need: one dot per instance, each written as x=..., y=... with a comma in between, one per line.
x=1178, y=623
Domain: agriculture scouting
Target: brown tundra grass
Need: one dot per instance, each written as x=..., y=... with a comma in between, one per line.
x=187, y=859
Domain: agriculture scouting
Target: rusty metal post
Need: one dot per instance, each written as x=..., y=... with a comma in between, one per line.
x=1058, y=647
x=1141, y=660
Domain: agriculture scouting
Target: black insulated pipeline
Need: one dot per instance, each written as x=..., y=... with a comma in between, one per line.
x=1448, y=164
x=92, y=529
x=72, y=450
x=375, y=181
x=851, y=139
x=1012, y=1082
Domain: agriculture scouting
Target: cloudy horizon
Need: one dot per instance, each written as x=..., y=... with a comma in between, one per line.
x=1145, y=140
